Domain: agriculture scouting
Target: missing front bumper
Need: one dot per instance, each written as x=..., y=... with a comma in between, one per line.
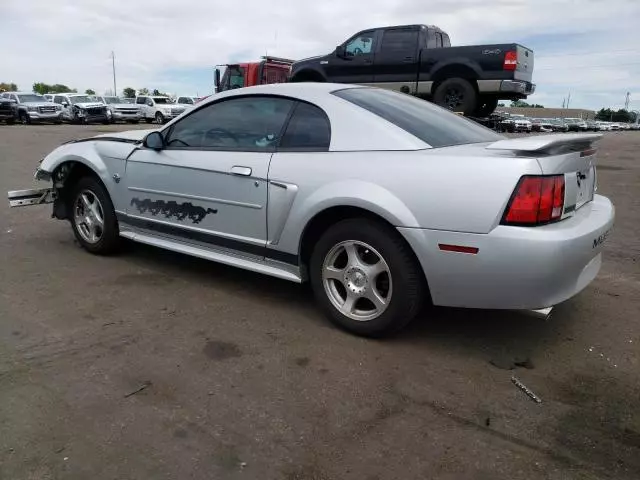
x=36, y=196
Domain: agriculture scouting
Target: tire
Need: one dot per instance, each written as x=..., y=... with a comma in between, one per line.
x=11, y=121
x=23, y=118
x=456, y=94
x=486, y=106
x=401, y=285
x=159, y=118
x=106, y=239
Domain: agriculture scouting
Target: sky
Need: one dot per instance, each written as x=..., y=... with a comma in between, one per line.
x=589, y=49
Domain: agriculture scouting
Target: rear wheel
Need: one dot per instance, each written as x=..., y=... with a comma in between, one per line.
x=365, y=278
x=159, y=118
x=457, y=95
x=93, y=218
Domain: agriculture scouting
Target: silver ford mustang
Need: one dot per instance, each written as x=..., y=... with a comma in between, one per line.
x=380, y=200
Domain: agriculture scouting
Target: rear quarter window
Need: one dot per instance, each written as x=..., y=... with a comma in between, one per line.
x=428, y=122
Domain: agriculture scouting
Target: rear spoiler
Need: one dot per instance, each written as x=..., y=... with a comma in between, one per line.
x=542, y=143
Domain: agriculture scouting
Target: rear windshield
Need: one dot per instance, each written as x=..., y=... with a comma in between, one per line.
x=431, y=124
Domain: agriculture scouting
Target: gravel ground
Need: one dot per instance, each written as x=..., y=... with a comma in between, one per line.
x=151, y=365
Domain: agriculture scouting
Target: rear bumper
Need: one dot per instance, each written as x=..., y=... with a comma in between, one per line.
x=517, y=87
x=515, y=267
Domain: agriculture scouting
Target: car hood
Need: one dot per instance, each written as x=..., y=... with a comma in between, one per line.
x=37, y=104
x=136, y=135
x=89, y=105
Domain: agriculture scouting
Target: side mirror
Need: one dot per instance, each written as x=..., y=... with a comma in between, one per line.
x=340, y=52
x=154, y=141
x=216, y=80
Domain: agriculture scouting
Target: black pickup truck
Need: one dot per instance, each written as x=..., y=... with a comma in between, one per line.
x=419, y=60
x=8, y=110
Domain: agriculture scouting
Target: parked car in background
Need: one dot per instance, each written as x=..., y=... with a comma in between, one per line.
x=186, y=101
x=542, y=125
x=522, y=125
x=604, y=126
x=592, y=125
x=81, y=108
x=614, y=127
x=292, y=180
x=558, y=125
x=576, y=125
x=8, y=110
x=419, y=60
x=33, y=107
x=158, y=109
x=119, y=110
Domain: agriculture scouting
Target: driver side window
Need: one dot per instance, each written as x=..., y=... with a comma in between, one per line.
x=251, y=123
x=361, y=45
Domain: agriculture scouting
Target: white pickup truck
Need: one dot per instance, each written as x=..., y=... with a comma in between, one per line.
x=158, y=109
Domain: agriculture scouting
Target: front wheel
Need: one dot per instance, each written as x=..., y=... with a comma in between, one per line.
x=365, y=277
x=24, y=119
x=93, y=217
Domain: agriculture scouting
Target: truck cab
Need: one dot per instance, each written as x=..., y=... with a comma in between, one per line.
x=239, y=75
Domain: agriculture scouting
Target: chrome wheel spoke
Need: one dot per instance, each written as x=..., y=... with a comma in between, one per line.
x=352, y=254
x=89, y=217
x=376, y=269
x=374, y=297
x=333, y=273
x=85, y=201
x=349, y=303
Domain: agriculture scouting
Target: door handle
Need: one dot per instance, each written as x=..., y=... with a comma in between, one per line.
x=240, y=170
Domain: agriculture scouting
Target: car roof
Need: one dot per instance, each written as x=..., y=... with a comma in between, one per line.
x=25, y=93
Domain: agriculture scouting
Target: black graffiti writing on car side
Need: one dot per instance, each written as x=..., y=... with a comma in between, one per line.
x=179, y=211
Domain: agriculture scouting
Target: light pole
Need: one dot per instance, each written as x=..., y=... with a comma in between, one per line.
x=113, y=65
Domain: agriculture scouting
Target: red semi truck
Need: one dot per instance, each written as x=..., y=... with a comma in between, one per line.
x=238, y=75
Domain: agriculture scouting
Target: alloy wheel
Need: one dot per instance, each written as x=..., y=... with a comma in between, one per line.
x=88, y=216
x=357, y=280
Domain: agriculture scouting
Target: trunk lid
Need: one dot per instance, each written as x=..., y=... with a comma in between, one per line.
x=572, y=155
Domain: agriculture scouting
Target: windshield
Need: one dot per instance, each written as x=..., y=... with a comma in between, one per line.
x=81, y=99
x=233, y=78
x=128, y=100
x=431, y=124
x=31, y=98
x=110, y=100
x=162, y=100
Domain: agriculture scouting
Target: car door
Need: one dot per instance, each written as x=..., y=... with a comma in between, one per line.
x=209, y=184
x=357, y=64
x=66, y=106
x=141, y=102
x=396, y=61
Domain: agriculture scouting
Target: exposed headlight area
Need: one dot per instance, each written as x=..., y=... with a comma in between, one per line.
x=32, y=109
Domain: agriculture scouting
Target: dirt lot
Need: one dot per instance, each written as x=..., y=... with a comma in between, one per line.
x=239, y=377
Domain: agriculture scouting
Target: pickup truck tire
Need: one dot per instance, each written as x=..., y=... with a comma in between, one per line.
x=486, y=106
x=159, y=118
x=457, y=95
x=358, y=260
x=93, y=218
x=23, y=117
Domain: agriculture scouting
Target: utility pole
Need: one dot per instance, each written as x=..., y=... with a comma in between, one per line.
x=568, y=99
x=626, y=101
x=113, y=65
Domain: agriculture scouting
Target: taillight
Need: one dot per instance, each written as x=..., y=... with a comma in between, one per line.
x=536, y=200
x=510, y=60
